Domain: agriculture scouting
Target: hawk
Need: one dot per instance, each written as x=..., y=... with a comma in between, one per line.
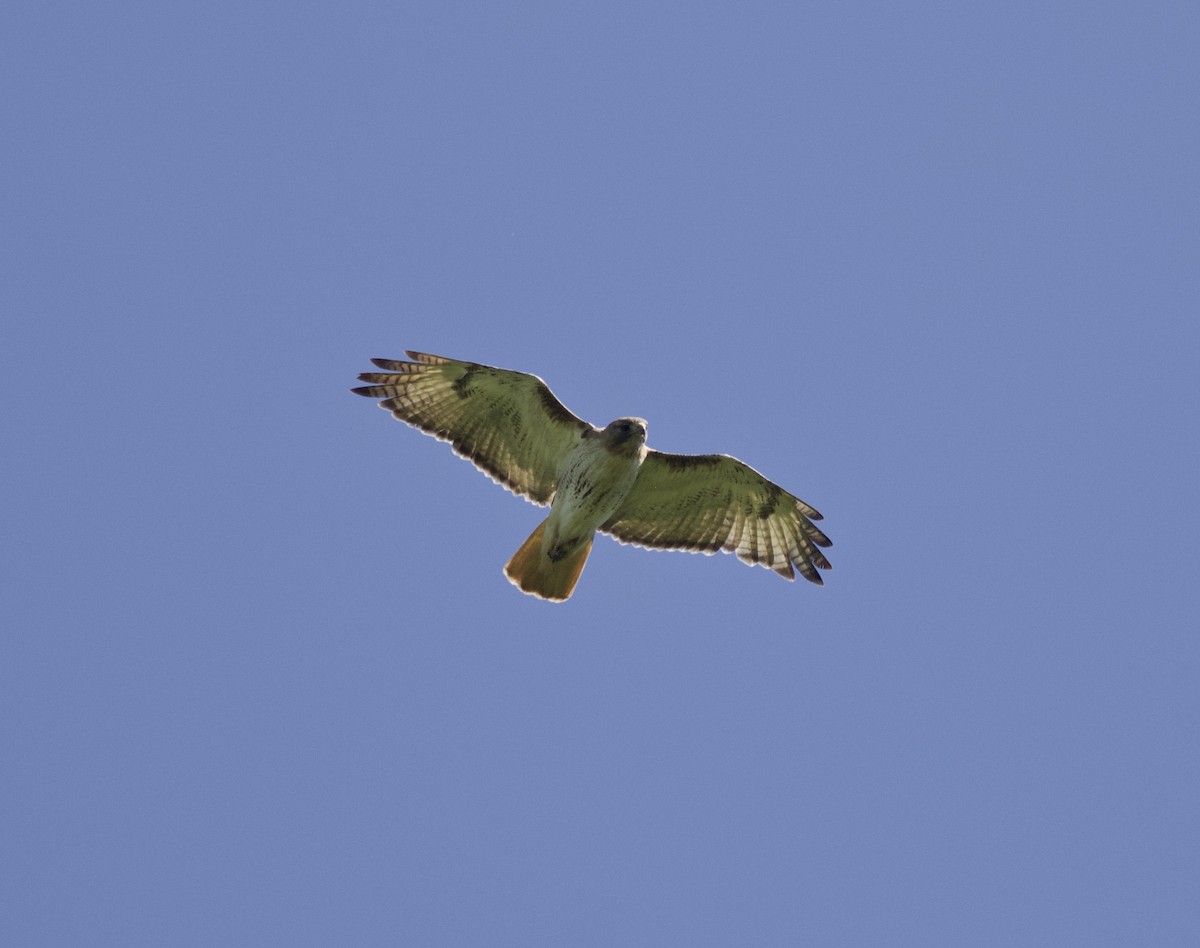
x=510, y=426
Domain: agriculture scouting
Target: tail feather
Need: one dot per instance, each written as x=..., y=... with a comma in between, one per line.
x=533, y=572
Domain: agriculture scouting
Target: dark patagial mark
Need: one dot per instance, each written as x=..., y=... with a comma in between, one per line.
x=681, y=462
x=554, y=408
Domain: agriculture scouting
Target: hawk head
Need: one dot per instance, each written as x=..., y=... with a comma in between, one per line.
x=625, y=435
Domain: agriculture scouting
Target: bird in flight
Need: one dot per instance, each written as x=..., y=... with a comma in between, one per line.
x=510, y=426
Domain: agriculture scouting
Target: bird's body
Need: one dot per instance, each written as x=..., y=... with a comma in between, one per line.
x=590, y=486
x=593, y=480
x=511, y=426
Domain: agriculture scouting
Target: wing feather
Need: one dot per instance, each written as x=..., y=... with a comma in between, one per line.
x=709, y=502
x=508, y=424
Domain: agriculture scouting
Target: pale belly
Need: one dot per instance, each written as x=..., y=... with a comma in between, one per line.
x=591, y=486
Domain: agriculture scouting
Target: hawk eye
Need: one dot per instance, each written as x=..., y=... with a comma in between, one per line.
x=625, y=428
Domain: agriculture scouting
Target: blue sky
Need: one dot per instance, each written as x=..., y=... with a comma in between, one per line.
x=931, y=267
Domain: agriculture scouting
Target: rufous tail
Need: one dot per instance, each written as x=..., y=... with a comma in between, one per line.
x=535, y=573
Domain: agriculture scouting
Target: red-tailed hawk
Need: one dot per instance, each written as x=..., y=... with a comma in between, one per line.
x=510, y=425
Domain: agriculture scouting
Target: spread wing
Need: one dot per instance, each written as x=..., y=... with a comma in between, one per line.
x=709, y=502
x=508, y=424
